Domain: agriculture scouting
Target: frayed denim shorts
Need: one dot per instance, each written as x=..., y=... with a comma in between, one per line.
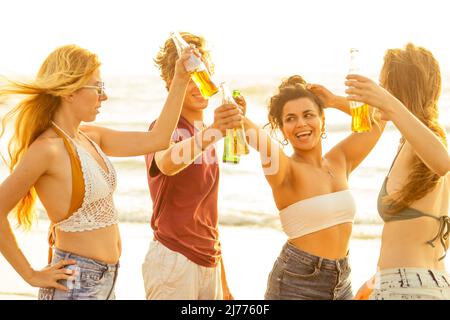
x=298, y=275
x=93, y=280
x=411, y=284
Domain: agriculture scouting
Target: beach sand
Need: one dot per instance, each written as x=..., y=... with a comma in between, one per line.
x=248, y=253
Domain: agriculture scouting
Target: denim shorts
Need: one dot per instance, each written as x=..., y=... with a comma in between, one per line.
x=298, y=275
x=93, y=280
x=411, y=284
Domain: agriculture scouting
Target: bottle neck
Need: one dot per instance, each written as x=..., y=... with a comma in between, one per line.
x=354, y=62
x=226, y=94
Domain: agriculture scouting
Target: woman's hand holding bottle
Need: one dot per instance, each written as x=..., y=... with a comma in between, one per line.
x=367, y=91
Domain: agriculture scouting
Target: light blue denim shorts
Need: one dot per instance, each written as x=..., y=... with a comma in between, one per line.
x=93, y=280
x=298, y=275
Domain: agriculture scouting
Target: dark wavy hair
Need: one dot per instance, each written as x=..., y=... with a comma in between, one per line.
x=290, y=89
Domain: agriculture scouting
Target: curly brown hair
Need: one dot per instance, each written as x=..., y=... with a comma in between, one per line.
x=413, y=76
x=167, y=56
x=290, y=89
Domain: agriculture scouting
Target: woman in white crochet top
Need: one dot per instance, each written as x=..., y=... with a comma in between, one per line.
x=66, y=166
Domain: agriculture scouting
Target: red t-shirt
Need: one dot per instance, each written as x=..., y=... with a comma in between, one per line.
x=185, y=217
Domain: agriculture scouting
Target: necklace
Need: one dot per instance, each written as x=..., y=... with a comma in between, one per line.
x=324, y=165
x=328, y=168
x=199, y=126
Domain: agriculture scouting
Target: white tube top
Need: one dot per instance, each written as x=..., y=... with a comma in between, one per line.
x=317, y=213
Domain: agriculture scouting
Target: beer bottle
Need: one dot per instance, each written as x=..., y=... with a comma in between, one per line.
x=235, y=143
x=360, y=111
x=241, y=141
x=199, y=73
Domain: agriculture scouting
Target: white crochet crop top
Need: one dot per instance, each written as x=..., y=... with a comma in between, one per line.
x=97, y=210
x=317, y=213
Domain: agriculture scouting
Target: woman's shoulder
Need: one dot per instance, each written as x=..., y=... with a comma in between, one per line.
x=47, y=144
x=405, y=157
x=93, y=132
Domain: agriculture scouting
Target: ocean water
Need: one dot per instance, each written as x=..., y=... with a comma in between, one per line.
x=245, y=198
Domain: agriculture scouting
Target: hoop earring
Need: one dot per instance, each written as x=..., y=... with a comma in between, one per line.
x=323, y=135
x=285, y=142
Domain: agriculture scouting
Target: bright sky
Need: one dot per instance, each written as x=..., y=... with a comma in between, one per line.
x=246, y=37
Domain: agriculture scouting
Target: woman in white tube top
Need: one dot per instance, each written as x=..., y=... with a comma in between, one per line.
x=311, y=191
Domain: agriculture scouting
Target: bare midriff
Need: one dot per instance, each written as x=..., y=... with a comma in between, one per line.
x=102, y=244
x=404, y=244
x=330, y=243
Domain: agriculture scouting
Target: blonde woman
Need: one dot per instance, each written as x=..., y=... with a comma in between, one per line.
x=414, y=198
x=67, y=167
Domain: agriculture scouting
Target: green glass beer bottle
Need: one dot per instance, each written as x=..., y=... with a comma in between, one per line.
x=234, y=144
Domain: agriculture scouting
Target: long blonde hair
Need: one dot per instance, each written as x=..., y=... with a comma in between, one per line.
x=413, y=76
x=63, y=72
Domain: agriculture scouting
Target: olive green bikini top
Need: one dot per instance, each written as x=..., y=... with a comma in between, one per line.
x=411, y=213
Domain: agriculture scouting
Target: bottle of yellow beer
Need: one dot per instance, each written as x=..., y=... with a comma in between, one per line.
x=360, y=111
x=234, y=143
x=199, y=73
